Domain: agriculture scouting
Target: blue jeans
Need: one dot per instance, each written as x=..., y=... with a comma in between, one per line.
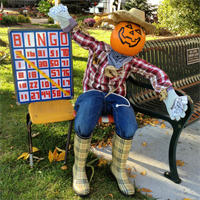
x=89, y=107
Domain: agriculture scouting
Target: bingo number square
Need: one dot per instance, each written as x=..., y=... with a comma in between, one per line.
x=50, y=50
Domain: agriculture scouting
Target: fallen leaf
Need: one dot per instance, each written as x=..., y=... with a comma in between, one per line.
x=151, y=124
x=94, y=145
x=156, y=122
x=55, y=154
x=179, y=163
x=144, y=144
x=111, y=195
x=187, y=199
x=35, y=149
x=64, y=167
x=50, y=157
x=61, y=150
x=149, y=195
x=26, y=157
x=61, y=156
x=143, y=173
x=35, y=134
x=101, y=162
x=145, y=190
x=132, y=176
x=100, y=144
x=129, y=171
x=11, y=105
x=23, y=155
x=39, y=159
x=163, y=125
x=167, y=133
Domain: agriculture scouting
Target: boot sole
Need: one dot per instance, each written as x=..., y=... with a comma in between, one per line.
x=131, y=195
x=80, y=195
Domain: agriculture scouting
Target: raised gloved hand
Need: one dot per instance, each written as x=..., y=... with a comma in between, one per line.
x=60, y=13
x=176, y=106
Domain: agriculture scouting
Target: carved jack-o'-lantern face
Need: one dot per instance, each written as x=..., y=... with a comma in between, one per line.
x=127, y=38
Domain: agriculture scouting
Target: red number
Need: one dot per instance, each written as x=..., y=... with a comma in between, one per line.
x=56, y=93
x=46, y=93
x=65, y=72
x=24, y=96
x=65, y=63
x=54, y=63
x=32, y=74
x=55, y=72
x=21, y=75
x=33, y=84
x=34, y=94
x=43, y=63
x=66, y=82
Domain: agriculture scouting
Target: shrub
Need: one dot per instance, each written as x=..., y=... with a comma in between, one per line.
x=161, y=30
x=50, y=20
x=27, y=20
x=89, y=22
x=21, y=18
x=44, y=7
x=8, y=19
x=84, y=17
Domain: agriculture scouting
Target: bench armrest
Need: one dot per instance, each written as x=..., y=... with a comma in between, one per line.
x=132, y=79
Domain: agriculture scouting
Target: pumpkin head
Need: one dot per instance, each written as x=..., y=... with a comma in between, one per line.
x=127, y=38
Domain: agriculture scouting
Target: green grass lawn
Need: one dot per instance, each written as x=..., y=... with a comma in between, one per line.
x=46, y=180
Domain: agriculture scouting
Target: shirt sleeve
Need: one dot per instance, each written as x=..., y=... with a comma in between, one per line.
x=158, y=78
x=84, y=40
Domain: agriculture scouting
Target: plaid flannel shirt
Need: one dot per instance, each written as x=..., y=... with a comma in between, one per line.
x=94, y=77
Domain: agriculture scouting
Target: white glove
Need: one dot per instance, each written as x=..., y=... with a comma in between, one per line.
x=60, y=13
x=176, y=106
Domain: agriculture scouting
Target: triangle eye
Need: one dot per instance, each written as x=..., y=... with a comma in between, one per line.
x=138, y=31
x=132, y=32
x=129, y=26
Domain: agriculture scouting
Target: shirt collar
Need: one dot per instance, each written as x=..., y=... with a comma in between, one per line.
x=117, y=59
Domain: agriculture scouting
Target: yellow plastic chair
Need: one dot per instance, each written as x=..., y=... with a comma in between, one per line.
x=49, y=112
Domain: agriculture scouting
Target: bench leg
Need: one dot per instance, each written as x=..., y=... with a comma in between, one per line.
x=29, y=139
x=68, y=139
x=173, y=174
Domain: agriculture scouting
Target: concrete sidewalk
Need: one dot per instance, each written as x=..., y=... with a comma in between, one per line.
x=153, y=158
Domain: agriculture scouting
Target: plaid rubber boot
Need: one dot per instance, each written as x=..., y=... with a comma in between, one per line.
x=120, y=151
x=80, y=181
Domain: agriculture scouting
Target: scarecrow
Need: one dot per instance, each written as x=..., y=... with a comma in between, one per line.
x=104, y=89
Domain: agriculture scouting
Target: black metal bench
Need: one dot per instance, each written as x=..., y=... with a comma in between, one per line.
x=171, y=56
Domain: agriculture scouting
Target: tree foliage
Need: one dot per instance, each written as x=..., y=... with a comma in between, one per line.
x=180, y=16
x=79, y=6
x=143, y=5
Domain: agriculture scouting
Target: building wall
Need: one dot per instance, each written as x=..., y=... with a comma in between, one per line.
x=20, y=3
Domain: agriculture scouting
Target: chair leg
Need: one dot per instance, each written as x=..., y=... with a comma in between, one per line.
x=30, y=140
x=27, y=118
x=173, y=174
x=68, y=139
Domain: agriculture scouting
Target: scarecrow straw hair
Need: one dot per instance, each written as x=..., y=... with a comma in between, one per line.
x=103, y=20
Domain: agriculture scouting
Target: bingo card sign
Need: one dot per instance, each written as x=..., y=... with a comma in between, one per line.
x=50, y=50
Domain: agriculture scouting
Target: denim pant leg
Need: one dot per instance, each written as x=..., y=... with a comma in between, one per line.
x=89, y=107
x=124, y=116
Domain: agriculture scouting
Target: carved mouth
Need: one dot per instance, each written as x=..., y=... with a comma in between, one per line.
x=127, y=40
